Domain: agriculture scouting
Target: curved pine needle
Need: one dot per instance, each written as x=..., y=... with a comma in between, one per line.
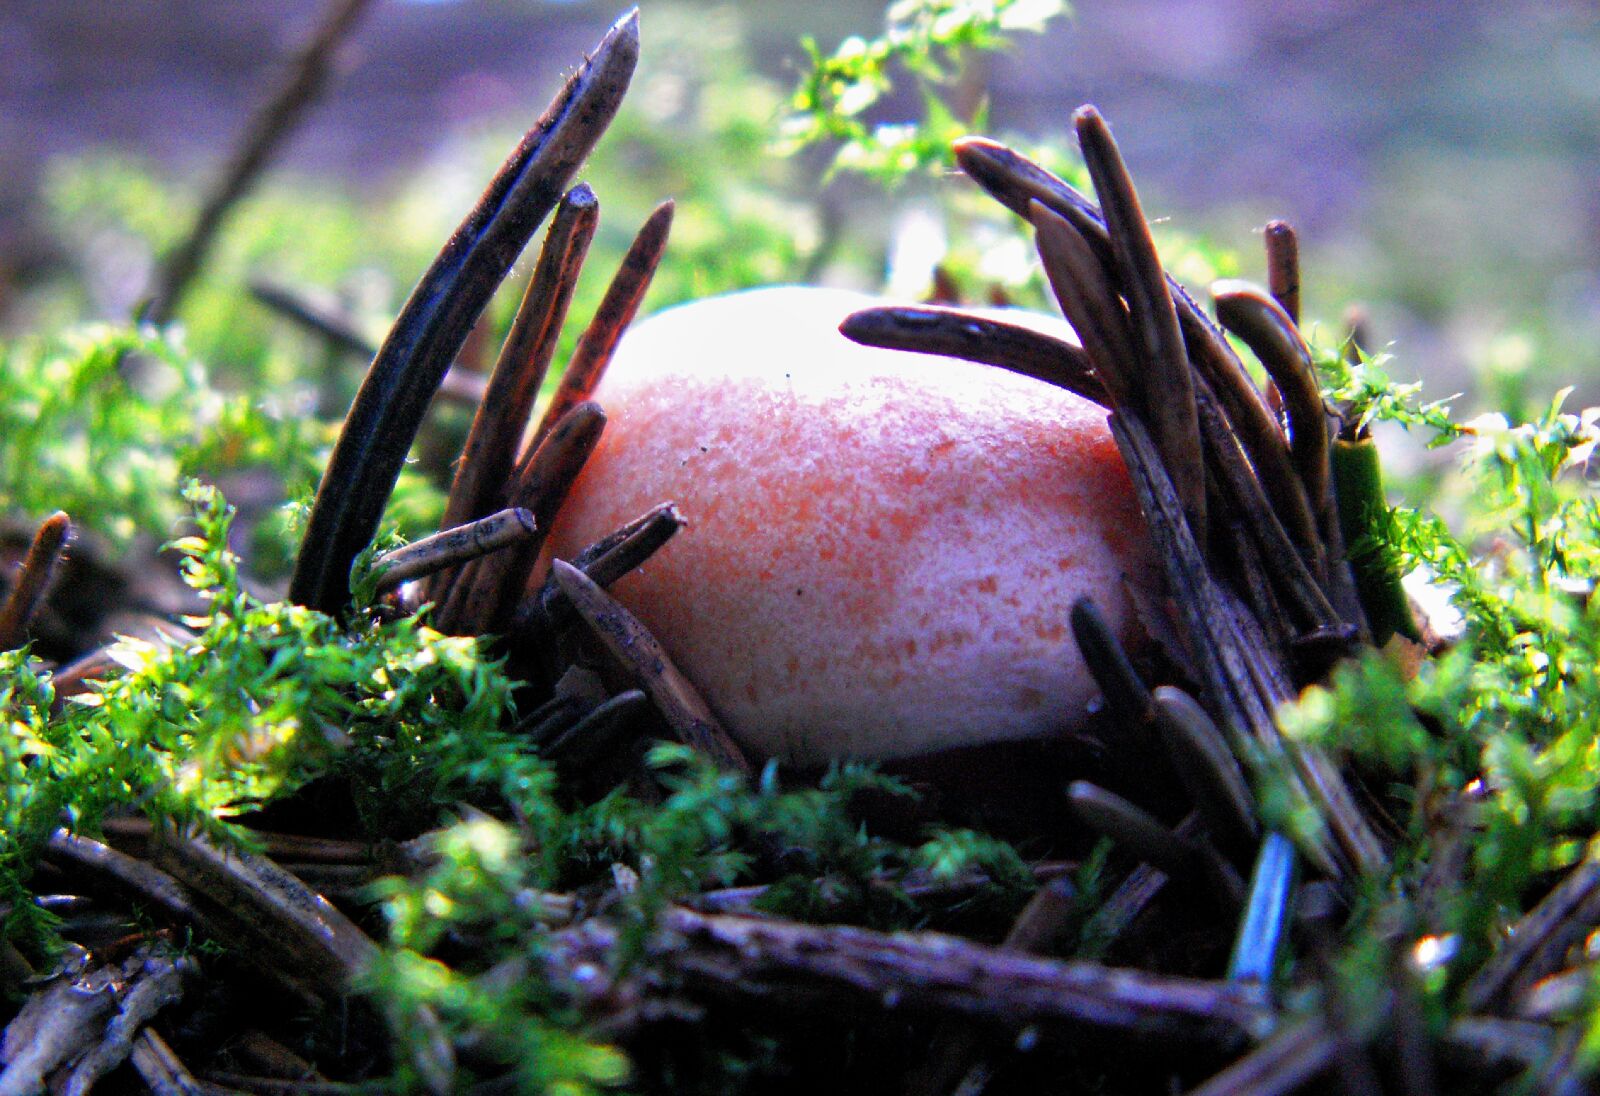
x=1207, y=767
x=388, y=410
x=1090, y=303
x=1283, y=267
x=1109, y=814
x=1270, y=333
x=1014, y=181
x=1168, y=388
x=982, y=339
x=1125, y=692
x=33, y=579
x=490, y=451
x=611, y=319
x=486, y=596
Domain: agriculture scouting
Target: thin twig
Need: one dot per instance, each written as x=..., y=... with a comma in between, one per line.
x=1536, y=944
x=273, y=123
x=295, y=935
x=314, y=315
x=1239, y=678
x=161, y=1069
x=1279, y=1066
x=765, y=961
x=454, y=546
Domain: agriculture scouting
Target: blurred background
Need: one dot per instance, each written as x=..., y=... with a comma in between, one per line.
x=1439, y=159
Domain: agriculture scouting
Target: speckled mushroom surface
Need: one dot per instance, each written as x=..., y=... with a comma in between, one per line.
x=882, y=549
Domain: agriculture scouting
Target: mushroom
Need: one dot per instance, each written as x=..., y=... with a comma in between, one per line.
x=883, y=548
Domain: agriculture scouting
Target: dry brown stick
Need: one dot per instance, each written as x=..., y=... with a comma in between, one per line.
x=916, y=884
x=955, y=1048
x=1536, y=944
x=617, y=309
x=279, y=114
x=57, y=1023
x=637, y=651
x=140, y=880
x=79, y=675
x=157, y=983
x=1270, y=333
x=1489, y=1044
x=453, y=546
x=263, y=1053
x=160, y=1068
x=486, y=596
x=489, y=455
x=1283, y=267
x=1167, y=386
x=765, y=961
x=293, y=934
x=276, y=1086
x=86, y=1022
x=1243, y=676
x=1318, y=775
x=1568, y=1070
x=605, y=561
x=1132, y=897
x=1281, y=1065
x=1252, y=579
x=982, y=339
x=33, y=580
x=285, y=924
x=138, y=834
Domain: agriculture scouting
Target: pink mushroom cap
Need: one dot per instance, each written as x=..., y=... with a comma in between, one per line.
x=883, y=548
